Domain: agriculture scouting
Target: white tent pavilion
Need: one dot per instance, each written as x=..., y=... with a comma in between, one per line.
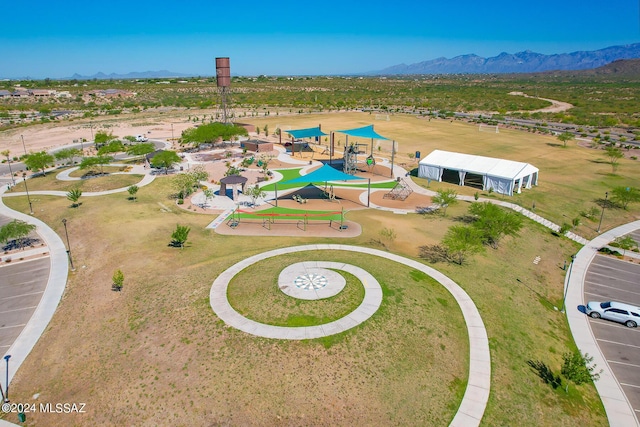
x=503, y=176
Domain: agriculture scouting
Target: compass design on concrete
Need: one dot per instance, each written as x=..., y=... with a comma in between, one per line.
x=310, y=282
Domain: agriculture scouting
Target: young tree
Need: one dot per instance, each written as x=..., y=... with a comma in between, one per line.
x=90, y=162
x=141, y=149
x=199, y=173
x=39, y=161
x=180, y=235
x=578, y=368
x=101, y=137
x=165, y=159
x=626, y=243
x=444, y=199
x=565, y=137
x=255, y=193
x=118, y=280
x=133, y=190
x=462, y=241
x=67, y=154
x=111, y=147
x=208, y=194
x=16, y=230
x=625, y=195
x=74, y=195
x=266, y=130
x=212, y=133
x=614, y=155
x=494, y=222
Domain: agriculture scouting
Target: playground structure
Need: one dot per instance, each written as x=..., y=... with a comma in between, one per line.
x=350, y=165
x=400, y=191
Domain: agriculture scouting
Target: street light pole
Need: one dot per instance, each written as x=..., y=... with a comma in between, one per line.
x=606, y=197
x=171, y=132
x=64, y=222
x=23, y=146
x=24, y=179
x=13, y=181
x=566, y=288
x=6, y=386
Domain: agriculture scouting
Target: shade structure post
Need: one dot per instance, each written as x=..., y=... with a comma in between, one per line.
x=331, y=148
x=393, y=152
x=276, y=188
x=369, y=193
x=342, y=219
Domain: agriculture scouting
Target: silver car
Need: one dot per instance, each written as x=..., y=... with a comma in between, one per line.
x=620, y=312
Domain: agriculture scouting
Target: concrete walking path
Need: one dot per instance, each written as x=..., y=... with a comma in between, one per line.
x=618, y=409
x=476, y=396
x=146, y=179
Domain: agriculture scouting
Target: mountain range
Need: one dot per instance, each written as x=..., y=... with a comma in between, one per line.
x=132, y=75
x=521, y=62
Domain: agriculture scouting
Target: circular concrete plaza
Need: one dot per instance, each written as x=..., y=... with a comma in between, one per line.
x=476, y=395
x=312, y=280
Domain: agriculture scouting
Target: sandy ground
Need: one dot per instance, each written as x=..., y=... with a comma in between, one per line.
x=49, y=136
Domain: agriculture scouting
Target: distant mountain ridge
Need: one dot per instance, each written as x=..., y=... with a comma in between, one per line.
x=132, y=75
x=521, y=62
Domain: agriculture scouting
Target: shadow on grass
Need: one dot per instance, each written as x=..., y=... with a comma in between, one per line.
x=466, y=219
x=175, y=244
x=545, y=373
x=551, y=144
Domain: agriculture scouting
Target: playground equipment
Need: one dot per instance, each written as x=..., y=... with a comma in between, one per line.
x=328, y=192
x=351, y=158
x=302, y=218
x=400, y=191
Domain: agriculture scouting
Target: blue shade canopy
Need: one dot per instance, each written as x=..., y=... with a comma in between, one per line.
x=306, y=133
x=325, y=173
x=363, y=132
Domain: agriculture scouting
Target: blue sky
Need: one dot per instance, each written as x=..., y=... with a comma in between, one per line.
x=56, y=39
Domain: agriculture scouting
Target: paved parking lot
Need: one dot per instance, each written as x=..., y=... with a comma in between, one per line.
x=21, y=287
x=22, y=284
x=609, y=279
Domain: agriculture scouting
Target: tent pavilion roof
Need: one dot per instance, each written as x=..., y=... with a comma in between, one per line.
x=478, y=164
x=306, y=133
x=324, y=174
x=363, y=132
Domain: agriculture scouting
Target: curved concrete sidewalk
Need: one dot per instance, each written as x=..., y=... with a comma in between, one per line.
x=476, y=395
x=220, y=304
x=52, y=294
x=146, y=180
x=619, y=410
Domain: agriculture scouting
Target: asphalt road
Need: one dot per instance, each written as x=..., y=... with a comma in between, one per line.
x=610, y=279
x=18, y=166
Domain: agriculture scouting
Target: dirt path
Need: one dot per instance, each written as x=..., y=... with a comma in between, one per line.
x=555, y=107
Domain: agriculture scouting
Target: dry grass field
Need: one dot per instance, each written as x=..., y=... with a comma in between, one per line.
x=155, y=354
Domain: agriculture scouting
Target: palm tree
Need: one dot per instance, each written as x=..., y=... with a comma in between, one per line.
x=74, y=196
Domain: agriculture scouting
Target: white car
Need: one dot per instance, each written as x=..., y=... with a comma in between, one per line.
x=620, y=312
x=141, y=138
